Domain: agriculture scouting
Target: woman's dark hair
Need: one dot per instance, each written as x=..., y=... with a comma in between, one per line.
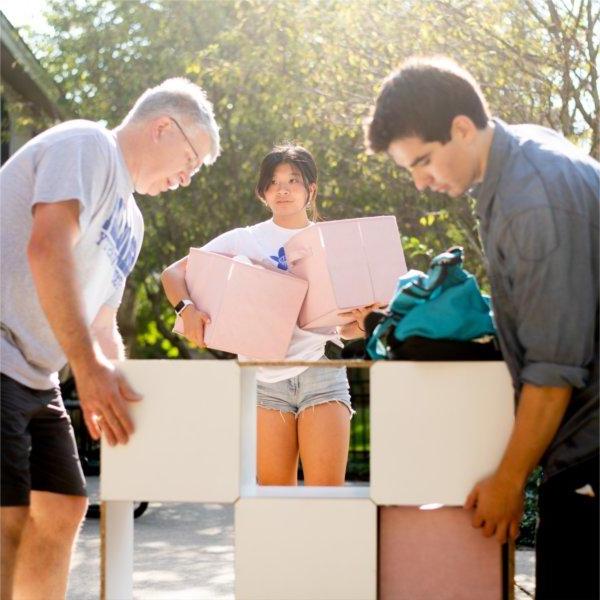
x=295, y=156
x=422, y=99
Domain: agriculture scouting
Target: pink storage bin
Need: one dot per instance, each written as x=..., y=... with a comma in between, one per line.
x=425, y=554
x=252, y=310
x=348, y=264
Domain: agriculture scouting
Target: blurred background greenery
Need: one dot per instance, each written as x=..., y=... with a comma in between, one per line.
x=308, y=71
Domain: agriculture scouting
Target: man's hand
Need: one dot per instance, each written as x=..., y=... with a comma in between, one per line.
x=498, y=503
x=103, y=396
x=498, y=500
x=194, y=322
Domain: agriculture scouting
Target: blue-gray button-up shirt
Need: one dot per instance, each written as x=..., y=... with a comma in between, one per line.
x=538, y=216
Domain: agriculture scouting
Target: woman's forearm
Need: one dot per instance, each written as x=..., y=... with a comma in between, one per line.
x=173, y=282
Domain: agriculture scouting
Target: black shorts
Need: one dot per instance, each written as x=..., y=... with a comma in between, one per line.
x=38, y=446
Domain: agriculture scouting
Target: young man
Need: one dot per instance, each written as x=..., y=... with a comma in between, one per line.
x=70, y=234
x=537, y=205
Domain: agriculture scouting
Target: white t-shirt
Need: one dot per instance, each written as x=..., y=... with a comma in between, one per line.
x=263, y=244
x=75, y=160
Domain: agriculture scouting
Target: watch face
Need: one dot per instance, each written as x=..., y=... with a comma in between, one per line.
x=181, y=305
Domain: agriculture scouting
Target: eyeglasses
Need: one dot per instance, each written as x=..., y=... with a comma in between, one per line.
x=198, y=163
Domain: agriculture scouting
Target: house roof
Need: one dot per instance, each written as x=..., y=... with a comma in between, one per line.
x=21, y=70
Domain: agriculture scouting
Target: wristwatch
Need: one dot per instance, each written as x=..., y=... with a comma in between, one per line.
x=180, y=306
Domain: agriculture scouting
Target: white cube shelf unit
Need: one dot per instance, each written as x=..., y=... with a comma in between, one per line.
x=317, y=543
x=436, y=428
x=186, y=447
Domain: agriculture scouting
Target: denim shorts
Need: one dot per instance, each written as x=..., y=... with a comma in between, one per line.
x=314, y=386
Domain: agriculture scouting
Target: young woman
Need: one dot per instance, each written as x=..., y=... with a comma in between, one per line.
x=303, y=412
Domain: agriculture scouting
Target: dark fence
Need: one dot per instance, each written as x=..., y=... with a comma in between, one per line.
x=358, y=458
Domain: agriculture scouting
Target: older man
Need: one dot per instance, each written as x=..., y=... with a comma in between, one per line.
x=537, y=205
x=71, y=233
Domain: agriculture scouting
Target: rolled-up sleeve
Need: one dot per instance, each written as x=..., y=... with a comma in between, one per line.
x=554, y=295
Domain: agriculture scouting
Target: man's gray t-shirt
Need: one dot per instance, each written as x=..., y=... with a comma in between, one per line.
x=538, y=210
x=75, y=160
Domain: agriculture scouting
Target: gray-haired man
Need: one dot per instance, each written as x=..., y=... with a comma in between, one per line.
x=71, y=233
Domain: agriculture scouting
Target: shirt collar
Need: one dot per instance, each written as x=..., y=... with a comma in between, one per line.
x=288, y=229
x=484, y=192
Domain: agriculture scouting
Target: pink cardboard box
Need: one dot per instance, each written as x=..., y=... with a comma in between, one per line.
x=252, y=310
x=348, y=264
x=425, y=554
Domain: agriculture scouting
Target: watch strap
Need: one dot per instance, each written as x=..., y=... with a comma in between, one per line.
x=180, y=306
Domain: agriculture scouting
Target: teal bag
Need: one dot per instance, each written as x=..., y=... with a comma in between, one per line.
x=443, y=304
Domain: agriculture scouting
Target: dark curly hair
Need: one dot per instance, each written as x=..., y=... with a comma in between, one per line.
x=421, y=99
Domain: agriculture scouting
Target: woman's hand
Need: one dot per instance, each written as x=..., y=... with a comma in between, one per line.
x=194, y=322
x=360, y=314
x=356, y=329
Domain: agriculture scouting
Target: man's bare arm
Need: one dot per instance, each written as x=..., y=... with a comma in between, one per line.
x=539, y=415
x=54, y=233
x=106, y=332
x=102, y=391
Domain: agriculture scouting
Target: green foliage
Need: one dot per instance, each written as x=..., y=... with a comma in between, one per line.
x=529, y=519
x=309, y=71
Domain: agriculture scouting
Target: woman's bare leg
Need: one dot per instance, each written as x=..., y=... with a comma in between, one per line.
x=276, y=448
x=324, y=438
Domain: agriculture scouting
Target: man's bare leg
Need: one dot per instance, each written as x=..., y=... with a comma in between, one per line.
x=44, y=554
x=13, y=520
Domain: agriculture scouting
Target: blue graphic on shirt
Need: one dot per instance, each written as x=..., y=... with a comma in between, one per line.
x=119, y=243
x=280, y=259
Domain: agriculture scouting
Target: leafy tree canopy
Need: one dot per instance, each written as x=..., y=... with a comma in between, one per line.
x=308, y=71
